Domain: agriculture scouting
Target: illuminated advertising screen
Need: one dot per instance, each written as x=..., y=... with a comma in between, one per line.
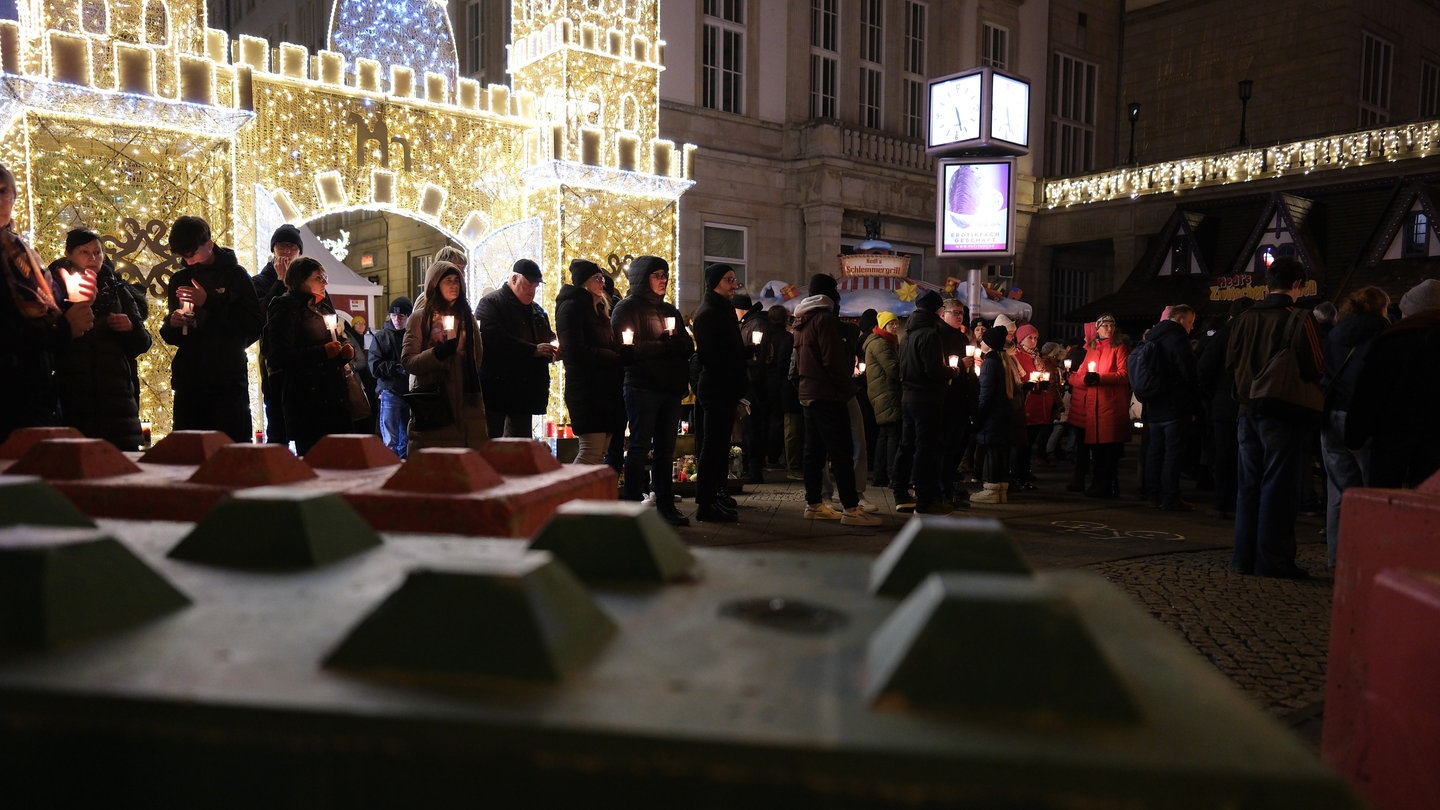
x=975, y=214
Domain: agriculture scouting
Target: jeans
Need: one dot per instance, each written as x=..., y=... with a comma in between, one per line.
x=719, y=422
x=1162, y=461
x=654, y=419
x=827, y=438
x=920, y=452
x=887, y=444
x=1268, y=493
x=394, y=418
x=1344, y=468
x=591, y=448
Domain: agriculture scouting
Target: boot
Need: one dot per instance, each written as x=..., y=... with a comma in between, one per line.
x=1004, y=492
x=990, y=494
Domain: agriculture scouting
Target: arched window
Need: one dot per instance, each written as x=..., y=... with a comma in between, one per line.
x=157, y=23
x=629, y=113
x=94, y=16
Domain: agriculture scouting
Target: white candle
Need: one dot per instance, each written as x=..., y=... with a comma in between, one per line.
x=669, y=324
x=954, y=361
x=971, y=351
x=977, y=369
x=756, y=337
x=1092, y=366
x=1067, y=363
x=1034, y=376
x=330, y=323
x=1045, y=377
x=627, y=337
x=73, y=291
x=449, y=323
x=186, y=308
x=861, y=367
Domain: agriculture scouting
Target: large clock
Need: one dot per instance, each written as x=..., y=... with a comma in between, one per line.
x=955, y=110
x=980, y=111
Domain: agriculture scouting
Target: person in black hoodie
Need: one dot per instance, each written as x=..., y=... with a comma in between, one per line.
x=723, y=380
x=310, y=356
x=1168, y=414
x=392, y=381
x=285, y=247
x=214, y=317
x=924, y=379
x=655, y=381
x=594, y=375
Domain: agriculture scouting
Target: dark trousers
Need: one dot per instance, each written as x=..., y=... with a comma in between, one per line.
x=757, y=438
x=827, y=439
x=718, y=420
x=1268, y=498
x=887, y=445
x=920, y=452
x=225, y=411
x=515, y=425
x=270, y=386
x=996, y=466
x=654, y=419
x=955, y=435
x=1227, y=455
x=1163, y=460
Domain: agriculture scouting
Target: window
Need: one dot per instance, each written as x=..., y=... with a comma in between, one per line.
x=472, y=46
x=824, y=57
x=1429, y=90
x=1416, y=243
x=872, y=56
x=995, y=46
x=1374, y=81
x=419, y=265
x=157, y=23
x=723, y=72
x=726, y=243
x=1069, y=290
x=912, y=82
x=1072, y=115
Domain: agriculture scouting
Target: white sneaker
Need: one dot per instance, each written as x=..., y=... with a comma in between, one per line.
x=855, y=516
x=867, y=506
x=649, y=499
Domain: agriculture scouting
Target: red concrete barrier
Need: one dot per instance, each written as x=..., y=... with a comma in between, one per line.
x=20, y=441
x=73, y=459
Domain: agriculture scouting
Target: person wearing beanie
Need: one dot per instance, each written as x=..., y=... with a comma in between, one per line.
x=757, y=335
x=826, y=285
x=825, y=362
x=1039, y=406
x=515, y=374
x=214, y=316
x=392, y=381
x=1273, y=432
x=930, y=301
x=882, y=388
x=285, y=247
x=590, y=356
x=1011, y=329
x=961, y=397
x=995, y=417
x=657, y=374
x=925, y=374
x=309, y=357
x=722, y=384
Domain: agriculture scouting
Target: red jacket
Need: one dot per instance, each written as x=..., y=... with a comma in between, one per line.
x=1039, y=405
x=1105, y=412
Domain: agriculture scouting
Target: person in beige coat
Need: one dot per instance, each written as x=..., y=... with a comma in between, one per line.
x=442, y=351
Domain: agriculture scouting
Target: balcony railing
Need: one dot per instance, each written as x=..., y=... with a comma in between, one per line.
x=1401, y=142
x=885, y=150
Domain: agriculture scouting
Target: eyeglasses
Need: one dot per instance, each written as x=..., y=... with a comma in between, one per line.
x=659, y=275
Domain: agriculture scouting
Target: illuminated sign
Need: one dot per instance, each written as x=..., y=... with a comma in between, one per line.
x=975, y=215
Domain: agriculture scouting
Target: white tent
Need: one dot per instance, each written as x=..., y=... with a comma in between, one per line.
x=344, y=285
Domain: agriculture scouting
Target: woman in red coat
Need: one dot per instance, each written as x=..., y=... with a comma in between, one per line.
x=1105, y=413
x=1039, y=403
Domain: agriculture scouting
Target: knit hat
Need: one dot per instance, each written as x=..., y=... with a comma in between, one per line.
x=1025, y=331
x=930, y=301
x=1049, y=347
x=188, y=234
x=1004, y=320
x=286, y=234
x=825, y=284
x=401, y=306
x=529, y=269
x=715, y=272
x=582, y=270
x=885, y=318
x=995, y=337
x=1423, y=296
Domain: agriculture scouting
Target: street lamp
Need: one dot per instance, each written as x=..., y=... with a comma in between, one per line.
x=1134, y=115
x=1245, y=87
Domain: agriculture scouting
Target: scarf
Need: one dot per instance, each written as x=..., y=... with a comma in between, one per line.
x=29, y=284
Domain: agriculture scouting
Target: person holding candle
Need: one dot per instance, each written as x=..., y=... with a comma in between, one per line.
x=285, y=247
x=882, y=373
x=591, y=354
x=214, y=317
x=1104, y=413
x=519, y=349
x=957, y=430
x=925, y=375
x=93, y=371
x=445, y=357
x=723, y=382
x=308, y=355
x=1039, y=405
x=995, y=417
x=655, y=382
x=757, y=334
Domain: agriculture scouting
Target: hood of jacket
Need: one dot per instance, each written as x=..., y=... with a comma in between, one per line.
x=432, y=281
x=640, y=269
x=1356, y=329
x=823, y=303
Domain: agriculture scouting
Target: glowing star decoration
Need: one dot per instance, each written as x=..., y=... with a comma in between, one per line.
x=492, y=259
x=907, y=291
x=409, y=33
x=339, y=247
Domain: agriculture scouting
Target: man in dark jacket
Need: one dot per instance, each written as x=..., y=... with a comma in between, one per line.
x=1216, y=389
x=758, y=338
x=515, y=374
x=1272, y=431
x=961, y=397
x=392, y=381
x=924, y=377
x=214, y=316
x=656, y=379
x=1168, y=414
x=722, y=385
x=285, y=247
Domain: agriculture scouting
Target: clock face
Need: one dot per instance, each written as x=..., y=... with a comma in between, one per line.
x=1010, y=110
x=955, y=110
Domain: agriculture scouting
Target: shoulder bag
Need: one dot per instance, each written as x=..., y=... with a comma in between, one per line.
x=1280, y=378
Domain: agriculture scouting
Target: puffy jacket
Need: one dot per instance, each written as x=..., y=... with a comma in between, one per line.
x=1180, y=397
x=824, y=359
x=1354, y=333
x=315, y=399
x=923, y=371
x=94, y=373
x=390, y=374
x=662, y=361
x=882, y=370
x=1104, y=413
x=211, y=356
x=594, y=375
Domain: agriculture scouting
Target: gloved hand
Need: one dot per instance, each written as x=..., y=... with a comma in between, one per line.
x=1028, y=386
x=347, y=352
x=1092, y=378
x=446, y=350
x=1043, y=386
x=332, y=350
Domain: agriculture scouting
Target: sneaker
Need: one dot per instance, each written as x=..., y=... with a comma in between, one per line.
x=935, y=508
x=649, y=499
x=726, y=500
x=904, y=503
x=821, y=511
x=855, y=516
x=868, y=507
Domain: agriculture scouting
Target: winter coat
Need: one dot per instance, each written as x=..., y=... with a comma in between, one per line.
x=1342, y=368
x=924, y=374
x=514, y=379
x=1217, y=388
x=662, y=361
x=994, y=413
x=1258, y=334
x=824, y=359
x=27, y=360
x=1105, y=417
x=210, y=360
x=94, y=373
x=594, y=374
x=1079, y=399
x=723, y=375
x=882, y=368
x=1180, y=394
x=963, y=393
x=384, y=355
x=457, y=376
x=759, y=359
x=1039, y=405
x=314, y=394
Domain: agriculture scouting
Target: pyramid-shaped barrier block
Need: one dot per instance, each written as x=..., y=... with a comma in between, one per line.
x=444, y=471
x=519, y=456
x=615, y=541
x=252, y=465
x=931, y=544
x=186, y=447
x=28, y=499
x=277, y=528
x=527, y=619
x=20, y=441
x=993, y=646
x=62, y=585
x=350, y=451
x=73, y=460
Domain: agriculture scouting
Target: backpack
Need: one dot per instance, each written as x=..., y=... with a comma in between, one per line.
x=1147, y=378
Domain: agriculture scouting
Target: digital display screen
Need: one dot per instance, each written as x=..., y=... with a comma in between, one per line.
x=975, y=212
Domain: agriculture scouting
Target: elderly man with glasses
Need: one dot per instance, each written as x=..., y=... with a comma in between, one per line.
x=519, y=348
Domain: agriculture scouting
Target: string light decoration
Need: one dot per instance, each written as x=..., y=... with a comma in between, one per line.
x=372, y=29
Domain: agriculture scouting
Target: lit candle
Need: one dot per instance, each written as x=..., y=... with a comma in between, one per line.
x=756, y=337
x=76, y=291
x=1068, y=361
x=449, y=323
x=144, y=434
x=971, y=351
x=1034, y=376
x=860, y=369
x=627, y=337
x=1092, y=366
x=954, y=361
x=330, y=323
x=977, y=369
x=670, y=324
x=1045, y=377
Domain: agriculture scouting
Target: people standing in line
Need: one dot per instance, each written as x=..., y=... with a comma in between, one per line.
x=309, y=355
x=995, y=418
x=518, y=352
x=824, y=363
x=1170, y=412
x=443, y=351
x=924, y=377
x=392, y=381
x=961, y=398
x=214, y=317
x=1272, y=431
x=882, y=371
x=1361, y=318
x=1104, y=375
x=590, y=352
x=1394, y=398
x=654, y=383
x=285, y=247
x=1039, y=403
x=758, y=338
x=1217, y=389
x=93, y=371
x=723, y=383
